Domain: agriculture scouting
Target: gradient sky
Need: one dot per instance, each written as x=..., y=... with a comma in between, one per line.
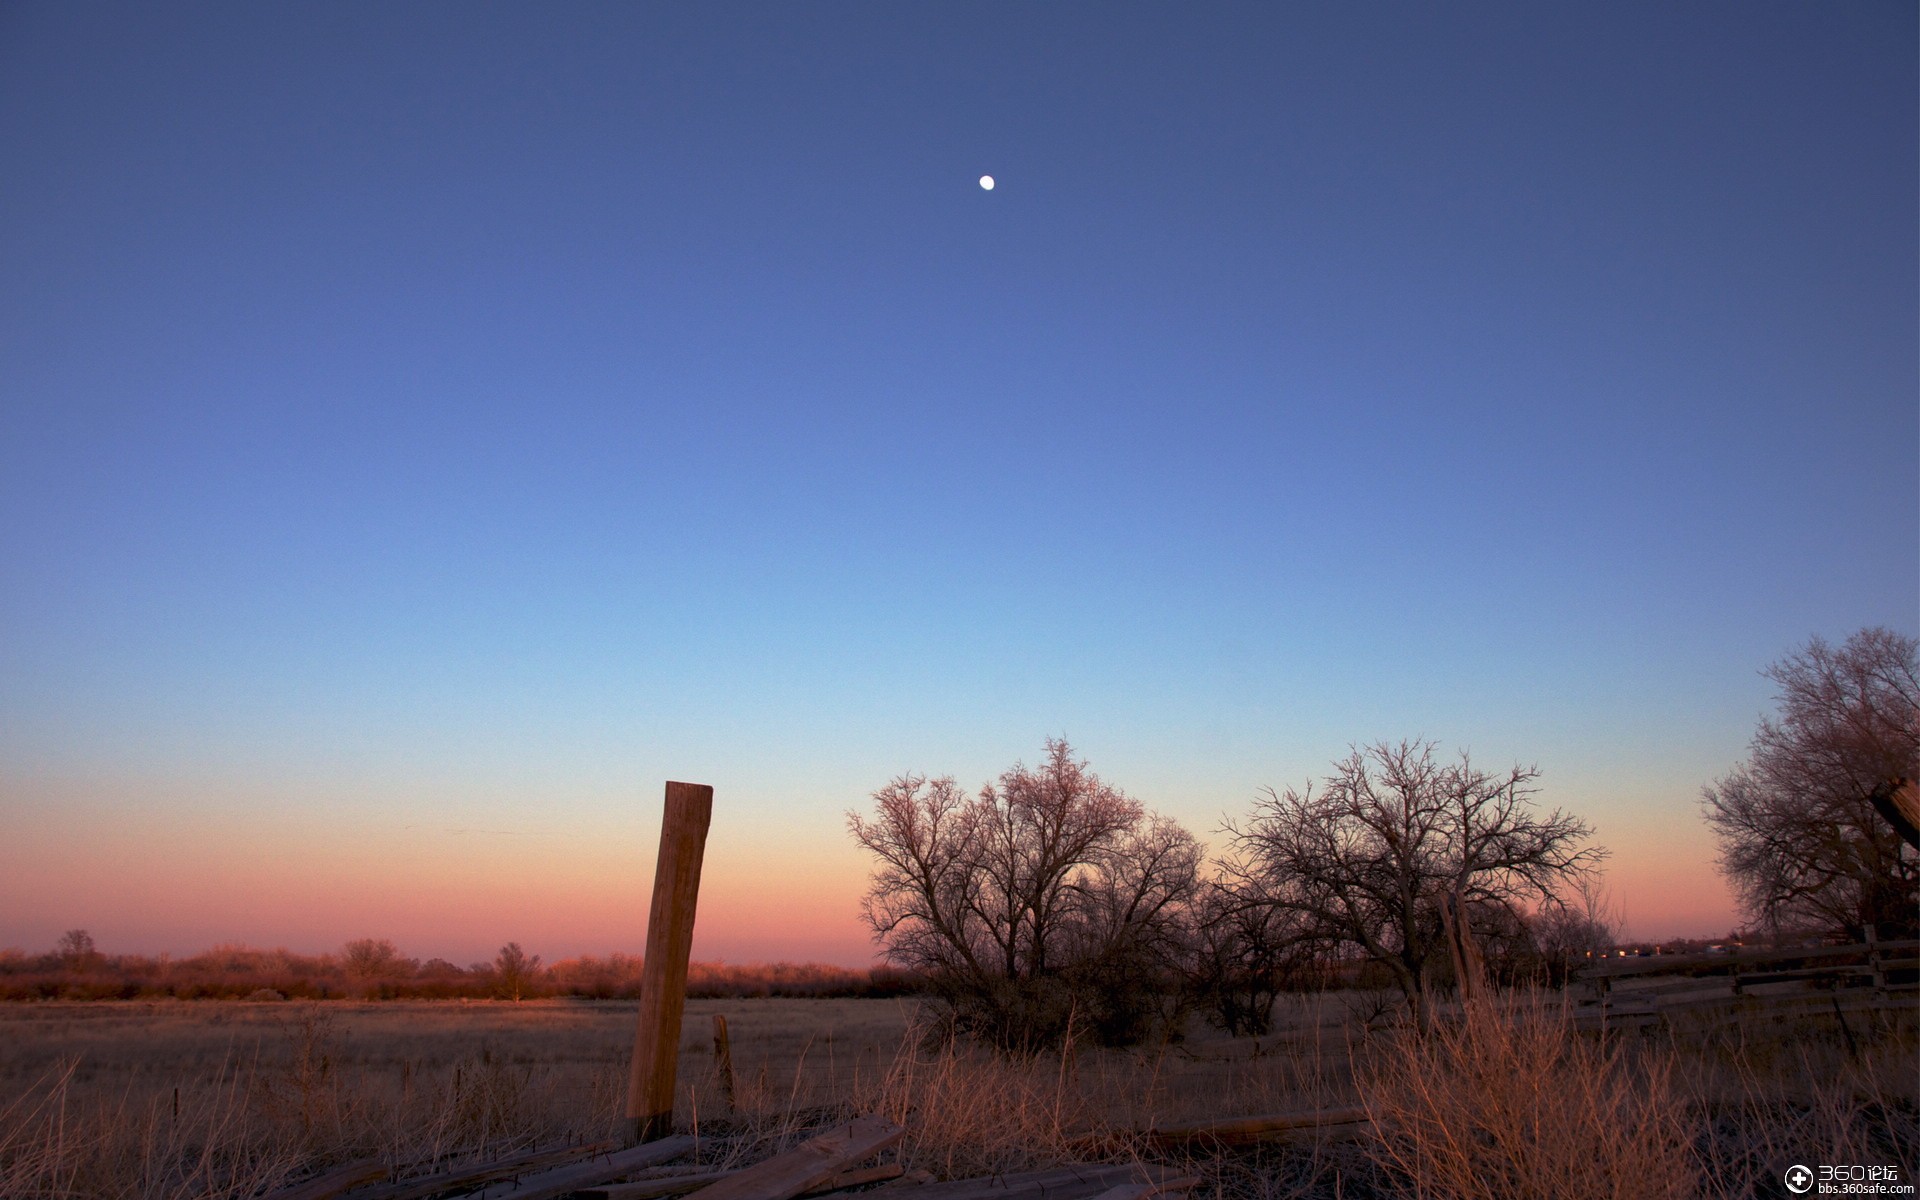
x=424, y=429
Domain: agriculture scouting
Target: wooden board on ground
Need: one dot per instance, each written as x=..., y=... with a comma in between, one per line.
x=680, y=1185
x=575, y=1176
x=909, y=1179
x=809, y=1164
x=333, y=1183
x=475, y=1175
x=1082, y=1182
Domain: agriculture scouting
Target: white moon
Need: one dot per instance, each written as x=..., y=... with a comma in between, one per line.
x=986, y=181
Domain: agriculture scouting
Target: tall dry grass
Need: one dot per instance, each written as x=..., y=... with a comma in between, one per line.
x=218, y=1144
x=1802, y=1095
x=251, y=1122
x=1507, y=1102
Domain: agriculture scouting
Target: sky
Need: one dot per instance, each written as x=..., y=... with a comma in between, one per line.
x=426, y=429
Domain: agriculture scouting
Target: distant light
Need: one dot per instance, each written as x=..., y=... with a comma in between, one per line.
x=986, y=181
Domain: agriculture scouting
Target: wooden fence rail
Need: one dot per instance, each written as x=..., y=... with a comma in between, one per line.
x=1736, y=960
x=1700, y=991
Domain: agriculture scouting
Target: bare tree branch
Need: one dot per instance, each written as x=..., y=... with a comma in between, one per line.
x=1395, y=834
x=1800, y=834
x=1042, y=900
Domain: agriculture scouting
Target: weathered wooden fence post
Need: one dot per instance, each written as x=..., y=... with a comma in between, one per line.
x=663, y=977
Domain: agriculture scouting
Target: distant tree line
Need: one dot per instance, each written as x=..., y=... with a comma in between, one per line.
x=375, y=969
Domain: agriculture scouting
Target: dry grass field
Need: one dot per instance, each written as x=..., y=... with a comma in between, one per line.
x=223, y=1099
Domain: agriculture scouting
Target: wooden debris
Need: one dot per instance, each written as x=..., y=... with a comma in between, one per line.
x=1082, y=1182
x=333, y=1183
x=910, y=1179
x=653, y=1189
x=807, y=1165
x=857, y=1178
x=818, y=1166
x=472, y=1176
x=571, y=1178
x=680, y=1185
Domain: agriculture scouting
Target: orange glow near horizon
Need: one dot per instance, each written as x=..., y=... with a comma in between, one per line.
x=181, y=877
x=197, y=870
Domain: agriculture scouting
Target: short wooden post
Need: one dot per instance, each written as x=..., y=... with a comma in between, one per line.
x=1874, y=968
x=663, y=976
x=723, y=1059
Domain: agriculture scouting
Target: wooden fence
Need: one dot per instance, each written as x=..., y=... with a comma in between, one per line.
x=1699, y=992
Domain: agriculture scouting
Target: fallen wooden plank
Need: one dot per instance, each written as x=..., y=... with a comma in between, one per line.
x=860, y=1178
x=680, y=1185
x=1077, y=1182
x=910, y=1179
x=333, y=1183
x=649, y=1189
x=807, y=1165
x=1130, y=1191
x=571, y=1178
x=476, y=1174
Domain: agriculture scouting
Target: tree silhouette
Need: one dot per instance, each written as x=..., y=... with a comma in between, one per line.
x=1398, y=846
x=1050, y=897
x=515, y=971
x=371, y=962
x=76, y=950
x=1800, y=837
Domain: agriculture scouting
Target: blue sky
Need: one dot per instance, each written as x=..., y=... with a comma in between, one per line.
x=436, y=425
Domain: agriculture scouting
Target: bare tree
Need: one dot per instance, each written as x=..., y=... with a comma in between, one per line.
x=1394, y=840
x=76, y=950
x=1244, y=952
x=1568, y=935
x=371, y=962
x=1799, y=833
x=1013, y=901
x=1129, y=926
x=515, y=971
